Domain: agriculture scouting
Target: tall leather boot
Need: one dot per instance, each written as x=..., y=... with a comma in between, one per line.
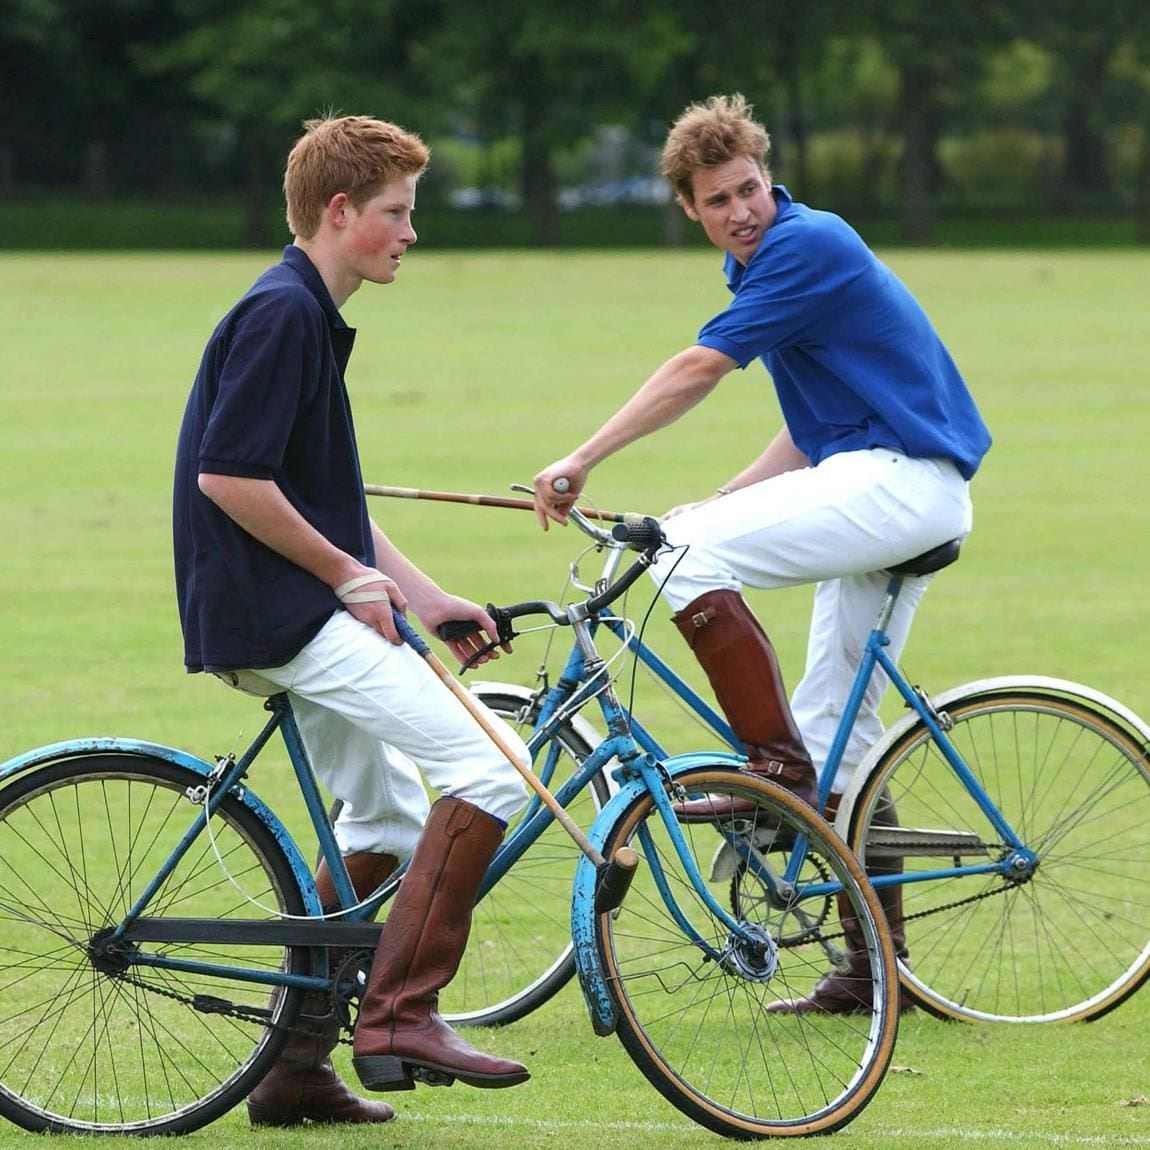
x=849, y=991
x=303, y=1084
x=400, y=1036
x=743, y=670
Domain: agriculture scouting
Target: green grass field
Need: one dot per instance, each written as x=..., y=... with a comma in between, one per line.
x=472, y=372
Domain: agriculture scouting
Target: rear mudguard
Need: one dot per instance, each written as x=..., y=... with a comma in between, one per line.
x=83, y=748
x=587, y=962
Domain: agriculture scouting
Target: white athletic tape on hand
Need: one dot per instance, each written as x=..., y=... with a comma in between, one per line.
x=347, y=593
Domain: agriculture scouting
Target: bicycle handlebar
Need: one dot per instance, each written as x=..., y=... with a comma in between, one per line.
x=644, y=534
x=639, y=533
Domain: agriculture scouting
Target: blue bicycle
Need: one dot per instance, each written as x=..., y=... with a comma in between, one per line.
x=160, y=928
x=1022, y=842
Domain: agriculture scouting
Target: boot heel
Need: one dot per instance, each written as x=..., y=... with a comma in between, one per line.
x=260, y=1115
x=383, y=1072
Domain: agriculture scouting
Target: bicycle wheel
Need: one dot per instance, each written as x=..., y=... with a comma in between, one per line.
x=1063, y=939
x=520, y=954
x=91, y=1040
x=693, y=1008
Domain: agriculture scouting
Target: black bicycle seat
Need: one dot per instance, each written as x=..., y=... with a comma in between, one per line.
x=929, y=561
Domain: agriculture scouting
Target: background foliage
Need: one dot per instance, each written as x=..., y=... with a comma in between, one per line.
x=878, y=107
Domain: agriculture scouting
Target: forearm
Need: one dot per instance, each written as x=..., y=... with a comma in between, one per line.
x=780, y=455
x=419, y=588
x=264, y=512
x=677, y=386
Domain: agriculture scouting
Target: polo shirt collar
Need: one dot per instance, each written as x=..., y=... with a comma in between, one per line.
x=298, y=260
x=734, y=270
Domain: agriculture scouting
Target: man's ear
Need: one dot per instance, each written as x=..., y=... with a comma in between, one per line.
x=336, y=211
x=689, y=208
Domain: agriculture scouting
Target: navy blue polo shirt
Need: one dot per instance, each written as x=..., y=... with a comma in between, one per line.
x=855, y=361
x=269, y=402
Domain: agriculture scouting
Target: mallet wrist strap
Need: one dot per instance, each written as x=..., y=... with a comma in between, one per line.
x=348, y=592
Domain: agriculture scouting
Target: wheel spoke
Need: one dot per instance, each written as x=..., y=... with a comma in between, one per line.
x=91, y=1041
x=700, y=1027
x=1067, y=939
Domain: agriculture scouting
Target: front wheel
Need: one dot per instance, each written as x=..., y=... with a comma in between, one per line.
x=1060, y=933
x=697, y=1005
x=94, y=1038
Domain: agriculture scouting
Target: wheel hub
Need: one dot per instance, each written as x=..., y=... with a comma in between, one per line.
x=754, y=958
x=108, y=955
x=1020, y=867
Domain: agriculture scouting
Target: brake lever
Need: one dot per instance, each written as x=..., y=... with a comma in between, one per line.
x=461, y=628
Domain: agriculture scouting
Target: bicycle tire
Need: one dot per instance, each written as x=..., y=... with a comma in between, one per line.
x=1068, y=942
x=699, y=1028
x=93, y=1044
x=519, y=955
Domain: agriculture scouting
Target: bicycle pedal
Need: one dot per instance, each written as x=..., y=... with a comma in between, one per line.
x=429, y=1076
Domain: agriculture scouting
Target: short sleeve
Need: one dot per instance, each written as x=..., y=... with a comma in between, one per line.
x=262, y=380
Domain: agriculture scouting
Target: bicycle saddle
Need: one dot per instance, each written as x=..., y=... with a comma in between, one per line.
x=929, y=561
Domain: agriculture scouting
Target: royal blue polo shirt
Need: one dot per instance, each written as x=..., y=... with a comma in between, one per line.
x=269, y=402
x=855, y=362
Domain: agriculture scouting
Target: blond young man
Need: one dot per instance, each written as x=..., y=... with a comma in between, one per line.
x=286, y=584
x=870, y=468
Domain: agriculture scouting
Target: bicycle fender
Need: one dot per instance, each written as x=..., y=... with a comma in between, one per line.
x=587, y=964
x=81, y=748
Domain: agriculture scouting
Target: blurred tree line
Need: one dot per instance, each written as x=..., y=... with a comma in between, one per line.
x=898, y=107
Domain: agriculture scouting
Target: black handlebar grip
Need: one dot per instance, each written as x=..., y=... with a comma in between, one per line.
x=645, y=535
x=457, y=629
x=613, y=880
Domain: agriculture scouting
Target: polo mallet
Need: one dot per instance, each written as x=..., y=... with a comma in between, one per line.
x=486, y=500
x=613, y=878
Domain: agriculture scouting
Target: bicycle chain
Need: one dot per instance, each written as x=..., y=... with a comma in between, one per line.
x=922, y=913
x=221, y=1006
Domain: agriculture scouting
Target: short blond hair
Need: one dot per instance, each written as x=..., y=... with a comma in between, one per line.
x=709, y=134
x=357, y=155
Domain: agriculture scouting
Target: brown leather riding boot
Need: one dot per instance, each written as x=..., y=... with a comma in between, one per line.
x=743, y=670
x=400, y=1037
x=849, y=991
x=303, y=1084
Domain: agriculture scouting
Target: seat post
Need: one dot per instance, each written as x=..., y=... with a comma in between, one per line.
x=886, y=608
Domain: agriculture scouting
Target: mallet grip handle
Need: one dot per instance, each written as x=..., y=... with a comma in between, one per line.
x=613, y=880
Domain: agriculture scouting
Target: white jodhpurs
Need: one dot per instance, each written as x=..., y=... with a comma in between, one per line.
x=368, y=711
x=838, y=525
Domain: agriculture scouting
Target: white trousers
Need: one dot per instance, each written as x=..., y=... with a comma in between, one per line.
x=368, y=712
x=838, y=525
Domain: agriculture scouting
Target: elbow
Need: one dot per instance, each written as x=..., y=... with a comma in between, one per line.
x=211, y=485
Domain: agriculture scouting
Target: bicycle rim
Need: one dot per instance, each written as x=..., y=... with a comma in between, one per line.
x=699, y=1028
x=1067, y=942
x=519, y=954
x=94, y=1042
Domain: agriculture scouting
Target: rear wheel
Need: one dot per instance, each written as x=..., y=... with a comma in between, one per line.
x=94, y=1039
x=1063, y=933
x=694, y=1005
